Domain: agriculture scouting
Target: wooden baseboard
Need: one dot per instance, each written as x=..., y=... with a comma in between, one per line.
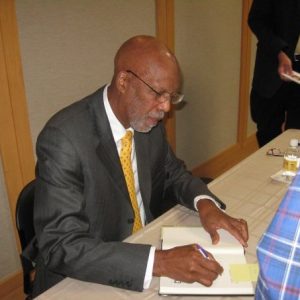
x=11, y=287
x=226, y=159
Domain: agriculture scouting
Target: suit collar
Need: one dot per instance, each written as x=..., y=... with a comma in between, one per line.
x=117, y=128
x=106, y=149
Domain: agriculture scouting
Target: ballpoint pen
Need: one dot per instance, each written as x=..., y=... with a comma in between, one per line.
x=202, y=251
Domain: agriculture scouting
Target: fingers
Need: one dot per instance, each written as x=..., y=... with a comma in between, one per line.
x=214, y=236
x=186, y=264
x=206, y=269
x=209, y=270
x=215, y=219
x=244, y=229
x=211, y=264
x=239, y=229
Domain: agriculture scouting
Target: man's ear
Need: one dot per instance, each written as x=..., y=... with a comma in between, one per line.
x=122, y=81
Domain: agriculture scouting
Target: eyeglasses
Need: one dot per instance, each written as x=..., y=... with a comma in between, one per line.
x=174, y=98
x=274, y=152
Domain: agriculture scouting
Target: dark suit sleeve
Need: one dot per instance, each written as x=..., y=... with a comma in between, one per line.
x=182, y=184
x=261, y=21
x=66, y=244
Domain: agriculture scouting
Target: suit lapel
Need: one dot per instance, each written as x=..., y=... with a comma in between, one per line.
x=106, y=149
x=110, y=159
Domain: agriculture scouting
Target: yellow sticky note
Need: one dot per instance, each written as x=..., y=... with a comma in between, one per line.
x=243, y=272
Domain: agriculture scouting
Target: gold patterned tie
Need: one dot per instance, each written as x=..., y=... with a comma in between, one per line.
x=125, y=157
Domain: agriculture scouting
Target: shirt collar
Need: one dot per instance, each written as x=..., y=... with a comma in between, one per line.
x=117, y=128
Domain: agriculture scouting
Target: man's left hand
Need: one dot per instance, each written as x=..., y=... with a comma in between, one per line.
x=213, y=218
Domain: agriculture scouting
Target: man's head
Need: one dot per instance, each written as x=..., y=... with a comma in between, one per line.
x=146, y=77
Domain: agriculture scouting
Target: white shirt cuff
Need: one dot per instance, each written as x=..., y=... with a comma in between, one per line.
x=198, y=198
x=149, y=269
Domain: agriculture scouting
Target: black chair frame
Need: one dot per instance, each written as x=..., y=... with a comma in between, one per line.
x=25, y=227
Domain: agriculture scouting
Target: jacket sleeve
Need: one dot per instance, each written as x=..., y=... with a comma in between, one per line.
x=66, y=245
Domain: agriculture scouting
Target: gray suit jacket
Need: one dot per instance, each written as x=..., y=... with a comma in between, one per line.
x=82, y=207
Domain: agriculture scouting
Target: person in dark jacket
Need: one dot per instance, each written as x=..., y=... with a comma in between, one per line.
x=275, y=101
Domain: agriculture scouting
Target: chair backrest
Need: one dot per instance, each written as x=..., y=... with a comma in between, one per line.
x=25, y=227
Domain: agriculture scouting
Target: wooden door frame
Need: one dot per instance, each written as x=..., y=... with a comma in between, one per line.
x=16, y=152
x=165, y=32
x=15, y=137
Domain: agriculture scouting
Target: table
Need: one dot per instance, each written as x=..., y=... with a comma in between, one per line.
x=249, y=193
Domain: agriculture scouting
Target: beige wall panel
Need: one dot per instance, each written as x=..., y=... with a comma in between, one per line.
x=9, y=259
x=207, y=44
x=67, y=48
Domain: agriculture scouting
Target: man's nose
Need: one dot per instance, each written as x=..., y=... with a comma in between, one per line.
x=165, y=106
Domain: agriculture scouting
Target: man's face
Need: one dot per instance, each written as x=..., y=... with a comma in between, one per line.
x=144, y=113
x=146, y=106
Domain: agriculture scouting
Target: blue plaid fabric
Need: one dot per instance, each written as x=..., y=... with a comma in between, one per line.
x=278, y=251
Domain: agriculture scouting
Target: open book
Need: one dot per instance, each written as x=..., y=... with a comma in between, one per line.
x=227, y=252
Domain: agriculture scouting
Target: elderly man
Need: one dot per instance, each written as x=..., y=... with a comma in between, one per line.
x=104, y=167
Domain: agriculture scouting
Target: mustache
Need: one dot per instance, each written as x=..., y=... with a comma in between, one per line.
x=159, y=115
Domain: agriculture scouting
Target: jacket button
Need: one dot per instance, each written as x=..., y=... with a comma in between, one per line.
x=130, y=220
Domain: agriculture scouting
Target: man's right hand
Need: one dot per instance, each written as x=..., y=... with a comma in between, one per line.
x=186, y=264
x=284, y=65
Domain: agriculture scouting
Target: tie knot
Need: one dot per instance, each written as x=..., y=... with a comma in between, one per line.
x=126, y=142
x=128, y=136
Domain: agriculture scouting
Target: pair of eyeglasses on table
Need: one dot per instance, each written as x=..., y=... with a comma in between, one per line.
x=275, y=152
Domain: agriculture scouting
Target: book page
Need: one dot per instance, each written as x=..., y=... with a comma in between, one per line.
x=227, y=252
x=178, y=236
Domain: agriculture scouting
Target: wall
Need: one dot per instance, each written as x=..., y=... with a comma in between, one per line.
x=208, y=45
x=67, y=48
